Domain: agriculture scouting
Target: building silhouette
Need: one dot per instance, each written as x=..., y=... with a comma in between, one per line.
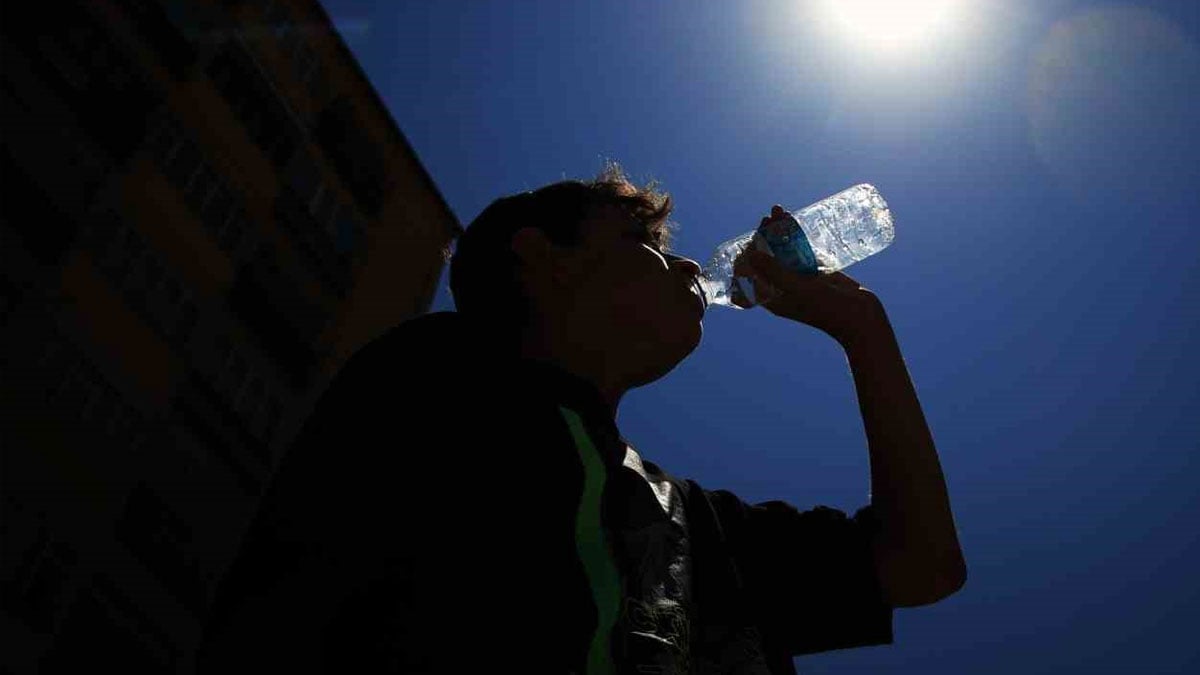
x=205, y=209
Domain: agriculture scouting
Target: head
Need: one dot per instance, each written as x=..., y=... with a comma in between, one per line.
x=580, y=272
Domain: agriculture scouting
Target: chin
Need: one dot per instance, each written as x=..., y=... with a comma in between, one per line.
x=672, y=354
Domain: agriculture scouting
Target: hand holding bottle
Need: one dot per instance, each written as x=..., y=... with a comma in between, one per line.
x=821, y=238
x=833, y=303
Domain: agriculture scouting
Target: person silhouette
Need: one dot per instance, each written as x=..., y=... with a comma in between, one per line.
x=462, y=498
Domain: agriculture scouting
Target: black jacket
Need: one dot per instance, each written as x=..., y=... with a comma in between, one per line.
x=446, y=509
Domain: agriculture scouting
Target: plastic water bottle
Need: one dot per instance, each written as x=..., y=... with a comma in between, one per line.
x=824, y=237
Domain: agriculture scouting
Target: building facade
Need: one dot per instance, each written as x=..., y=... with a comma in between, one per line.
x=205, y=208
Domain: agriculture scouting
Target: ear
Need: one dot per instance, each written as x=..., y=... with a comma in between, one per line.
x=539, y=255
x=531, y=246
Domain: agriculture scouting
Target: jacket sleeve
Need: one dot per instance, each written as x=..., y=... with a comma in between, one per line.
x=809, y=575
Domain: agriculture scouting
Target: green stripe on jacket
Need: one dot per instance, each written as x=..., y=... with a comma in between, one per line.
x=592, y=547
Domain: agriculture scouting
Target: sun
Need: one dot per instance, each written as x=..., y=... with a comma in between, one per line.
x=890, y=26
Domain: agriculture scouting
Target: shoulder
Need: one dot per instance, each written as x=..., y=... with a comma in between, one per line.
x=432, y=352
x=434, y=337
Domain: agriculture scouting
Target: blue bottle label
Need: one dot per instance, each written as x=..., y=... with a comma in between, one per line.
x=789, y=245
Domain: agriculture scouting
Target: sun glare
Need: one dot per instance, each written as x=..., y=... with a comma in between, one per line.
x=891, y=26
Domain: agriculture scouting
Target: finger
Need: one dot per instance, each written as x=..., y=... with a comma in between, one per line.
x=755, y=287
x=764, y=289
x=742, y=265
x=840, y=279
x=750, y=259
x=775, y=273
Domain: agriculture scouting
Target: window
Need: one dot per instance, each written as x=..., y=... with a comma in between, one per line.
x=172, y=292
x=323, y=227
x=11, y=295
x=280, y=317
x=303, y=175
x=149, y=284
x=347, y=232
x=251, y=398
x=41, y=587
x=279, y=22
x=246, y=391
x=164, y=140
x=313, y=241
x=213, y=423
x=354, y=154
x=93, y=391
x=167, y=306
x=250, y=95
x=201, y=187
x=77, y=390
x=206, y=193
x=184, y=163
x=161, y=539
x=224, y=349
x=74, y=51
x=236, y=373
x=107, y=407
x=307, y=68
x=163, y=35
x=233, y=231
x=218, y=209
x=322, y=206
x=291, y=38
x=103, y=626
x=187, y=321
x=50, y=234
x=152, y=275
x=273, y=413
x=131, y=266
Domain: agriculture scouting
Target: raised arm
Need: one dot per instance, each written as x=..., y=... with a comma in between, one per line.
x=917, y=553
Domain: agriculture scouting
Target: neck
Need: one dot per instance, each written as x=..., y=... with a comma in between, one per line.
x=580, y=361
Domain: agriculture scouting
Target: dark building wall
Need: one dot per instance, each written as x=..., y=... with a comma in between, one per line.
x=204, y=210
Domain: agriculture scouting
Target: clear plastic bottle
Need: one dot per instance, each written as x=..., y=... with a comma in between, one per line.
x=824, y=237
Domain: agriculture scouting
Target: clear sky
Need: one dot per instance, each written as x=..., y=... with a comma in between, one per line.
x=1040, y=159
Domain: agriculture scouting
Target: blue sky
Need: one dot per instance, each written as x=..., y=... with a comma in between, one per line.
x=1040, y=159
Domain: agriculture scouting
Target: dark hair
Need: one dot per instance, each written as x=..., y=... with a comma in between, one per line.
x=483, y=270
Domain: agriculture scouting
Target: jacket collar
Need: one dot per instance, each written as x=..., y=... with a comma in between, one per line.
x=453, y=337
x=579, y=395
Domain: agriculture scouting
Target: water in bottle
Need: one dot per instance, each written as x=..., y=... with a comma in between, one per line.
x=824, y=237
